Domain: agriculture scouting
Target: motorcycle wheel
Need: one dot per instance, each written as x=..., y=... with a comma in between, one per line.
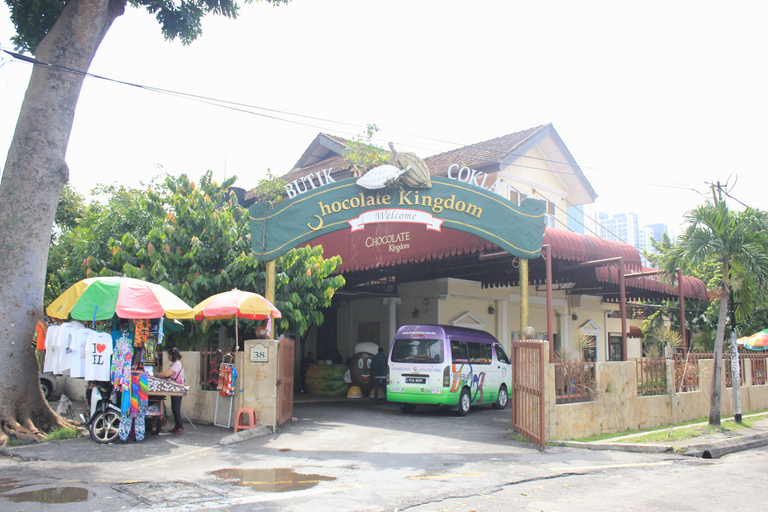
x=153, y=426
x=105, y=427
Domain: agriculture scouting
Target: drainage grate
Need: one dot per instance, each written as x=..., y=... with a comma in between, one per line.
x=168, y=493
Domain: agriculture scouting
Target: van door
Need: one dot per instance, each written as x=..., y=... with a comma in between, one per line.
x=503, y=367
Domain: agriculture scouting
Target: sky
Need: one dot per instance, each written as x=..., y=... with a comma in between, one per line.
x=654, y=100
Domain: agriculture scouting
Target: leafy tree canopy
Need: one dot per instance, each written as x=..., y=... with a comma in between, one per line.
x=738, y=242
x=33, y=19
x=362, y=154
x=193, y=239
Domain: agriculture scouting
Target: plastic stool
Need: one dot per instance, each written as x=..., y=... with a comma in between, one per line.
x=248, y=413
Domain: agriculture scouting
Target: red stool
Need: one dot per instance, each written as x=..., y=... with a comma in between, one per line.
x=247, y=413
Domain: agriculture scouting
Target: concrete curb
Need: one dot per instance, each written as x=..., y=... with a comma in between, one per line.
x=246, y=434
x=619, y=447
x=711, y=450
x=726, y=446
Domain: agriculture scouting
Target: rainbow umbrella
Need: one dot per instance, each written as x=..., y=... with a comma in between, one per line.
x=100, y=298
x=757, y=341
x=236, y=304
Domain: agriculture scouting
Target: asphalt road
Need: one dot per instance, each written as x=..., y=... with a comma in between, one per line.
x=368, y=456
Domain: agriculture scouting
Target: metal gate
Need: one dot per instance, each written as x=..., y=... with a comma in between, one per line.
x=528, y=390
x=286, y=348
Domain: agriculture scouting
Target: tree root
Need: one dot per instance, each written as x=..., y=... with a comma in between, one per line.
x=27, y=432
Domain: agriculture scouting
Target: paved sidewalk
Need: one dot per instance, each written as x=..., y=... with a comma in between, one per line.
x=709, y=445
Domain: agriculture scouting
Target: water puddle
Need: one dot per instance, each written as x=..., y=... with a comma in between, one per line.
x=45, y=495
x=270, y=480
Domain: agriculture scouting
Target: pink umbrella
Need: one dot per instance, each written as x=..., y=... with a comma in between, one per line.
x=236, y=304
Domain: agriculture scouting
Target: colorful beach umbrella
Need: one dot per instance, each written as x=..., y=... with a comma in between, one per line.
x=236, y=304
x=100, y=298
x=758, y=341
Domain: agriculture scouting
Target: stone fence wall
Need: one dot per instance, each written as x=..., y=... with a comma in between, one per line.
x=617, y=407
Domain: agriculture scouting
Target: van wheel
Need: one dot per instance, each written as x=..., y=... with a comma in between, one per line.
x=408, y=408
x=465, y=401
x=502, y=398
x=46, y=387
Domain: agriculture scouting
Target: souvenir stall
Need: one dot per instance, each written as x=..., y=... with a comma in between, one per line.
x=226, y=305
x=117, y=352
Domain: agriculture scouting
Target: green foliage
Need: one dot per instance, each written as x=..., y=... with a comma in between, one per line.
x=270, y=189
x=198, y=234
x=307, y=284
x=70, y=210
x=194, y=240
x=33, y=19
x=737, y=241
x=362, y=154
x=82, y=248
x=63, y=433
x=663, y=338
x=584, y=344
x=710, y=270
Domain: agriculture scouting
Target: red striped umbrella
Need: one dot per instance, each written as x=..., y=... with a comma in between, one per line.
x=236, y=304
x=757, y=341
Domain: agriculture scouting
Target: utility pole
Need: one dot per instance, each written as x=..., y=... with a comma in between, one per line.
x=735, y=367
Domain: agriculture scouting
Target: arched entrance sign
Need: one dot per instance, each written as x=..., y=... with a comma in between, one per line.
x=448, y=203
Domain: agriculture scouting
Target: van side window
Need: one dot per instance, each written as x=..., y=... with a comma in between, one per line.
x=459, y=352
x=417, y=351
x=479, y=353
x=500, y=354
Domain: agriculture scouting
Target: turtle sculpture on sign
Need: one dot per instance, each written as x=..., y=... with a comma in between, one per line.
x=408, y=169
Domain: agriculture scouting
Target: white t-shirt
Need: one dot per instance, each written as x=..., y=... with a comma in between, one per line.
x=77, y=356
x=66, y=344
x=98, y=356
x=51, y=364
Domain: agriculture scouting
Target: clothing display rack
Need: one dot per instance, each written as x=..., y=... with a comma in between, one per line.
x=226, y=391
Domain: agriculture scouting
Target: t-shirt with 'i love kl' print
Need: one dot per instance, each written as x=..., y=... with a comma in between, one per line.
x=98, y=353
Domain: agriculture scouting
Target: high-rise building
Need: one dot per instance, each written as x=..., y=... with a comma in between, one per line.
x=622, y=227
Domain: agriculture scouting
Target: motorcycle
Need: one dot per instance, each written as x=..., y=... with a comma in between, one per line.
x=103, y=420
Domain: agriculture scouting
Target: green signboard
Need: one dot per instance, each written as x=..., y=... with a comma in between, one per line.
x=449, y=203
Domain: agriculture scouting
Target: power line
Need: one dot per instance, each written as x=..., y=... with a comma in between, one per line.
x=274, y=114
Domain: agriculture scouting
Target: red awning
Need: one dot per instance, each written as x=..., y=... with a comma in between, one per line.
x=385, y=245
x=567, y=245
x=693, y=288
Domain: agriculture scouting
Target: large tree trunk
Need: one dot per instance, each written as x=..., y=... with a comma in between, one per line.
x=717, y=367
x=34, y=174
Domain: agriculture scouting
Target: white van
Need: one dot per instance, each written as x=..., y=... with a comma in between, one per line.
x=449, y=366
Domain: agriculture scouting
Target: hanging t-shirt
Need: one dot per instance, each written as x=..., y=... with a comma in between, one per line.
x=38, y=339
x=142, y=332
x=98, y=356
x=77, y=356
x=51, y=364
x=66, y=344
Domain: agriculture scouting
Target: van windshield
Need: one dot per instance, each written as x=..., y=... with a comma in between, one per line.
x=418, y=351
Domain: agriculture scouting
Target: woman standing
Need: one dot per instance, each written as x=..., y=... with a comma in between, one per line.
x=176, y=374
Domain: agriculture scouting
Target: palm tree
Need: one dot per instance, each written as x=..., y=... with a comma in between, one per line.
x=739, y=242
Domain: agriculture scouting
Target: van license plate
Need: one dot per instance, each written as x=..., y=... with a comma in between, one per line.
x=415, y=380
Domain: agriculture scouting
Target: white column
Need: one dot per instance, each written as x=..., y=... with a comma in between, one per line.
x=393, y=302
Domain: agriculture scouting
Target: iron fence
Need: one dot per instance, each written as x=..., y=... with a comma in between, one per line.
x=687, y=371
x=574, y=382
x=651, y=377
x=758, y=362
